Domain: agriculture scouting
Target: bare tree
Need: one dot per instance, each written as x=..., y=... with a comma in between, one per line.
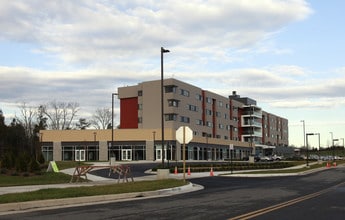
x=60, y=114
x=27, y=119
x=102, y=118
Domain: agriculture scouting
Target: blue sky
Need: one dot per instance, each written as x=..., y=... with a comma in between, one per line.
x=288, y=55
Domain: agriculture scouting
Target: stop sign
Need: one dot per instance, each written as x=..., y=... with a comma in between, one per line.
x=184, y=132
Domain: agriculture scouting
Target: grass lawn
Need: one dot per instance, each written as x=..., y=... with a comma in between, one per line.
x=71, y=192
x=45, y=178
x=41, y=179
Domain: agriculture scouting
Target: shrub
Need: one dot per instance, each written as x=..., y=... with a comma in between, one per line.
x=8, y=160
x=40, y=158
x=26, y=174
x=3, y=171
x=14, y=174
x=34, y=165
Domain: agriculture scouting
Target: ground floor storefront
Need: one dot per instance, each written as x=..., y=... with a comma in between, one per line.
x=135, y=145
x=139, y=151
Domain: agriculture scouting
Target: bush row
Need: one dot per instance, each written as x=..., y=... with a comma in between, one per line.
x=226, y=166
x=22, y=162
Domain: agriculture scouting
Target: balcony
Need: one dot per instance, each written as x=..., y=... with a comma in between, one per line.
x=251, y=123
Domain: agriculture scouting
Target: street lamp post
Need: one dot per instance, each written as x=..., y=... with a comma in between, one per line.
x=162, y=103
x=303, y=131
x=318, y=134
x=112, y=118
x=332, y=144
x=308, y=134
x=343, y=145
x=334, y=148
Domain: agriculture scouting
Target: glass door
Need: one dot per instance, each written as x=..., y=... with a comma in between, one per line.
x=79, y=155
x=126, y=154
x=158, y=154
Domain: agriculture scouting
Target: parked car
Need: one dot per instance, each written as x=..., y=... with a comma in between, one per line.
x=277, y=158
x=256, y=158
x=266, y=158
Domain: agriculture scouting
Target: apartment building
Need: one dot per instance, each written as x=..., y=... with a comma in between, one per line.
x=217, y=122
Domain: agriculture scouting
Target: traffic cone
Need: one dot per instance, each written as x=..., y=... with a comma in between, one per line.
x=188, y=171
x=175, y=170
x=335, y=164
x=211, y=172
x=328, y=165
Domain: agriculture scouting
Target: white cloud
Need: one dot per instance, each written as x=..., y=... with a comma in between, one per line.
x=101, y=31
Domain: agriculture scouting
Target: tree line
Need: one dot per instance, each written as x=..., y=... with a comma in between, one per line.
x=20, y=139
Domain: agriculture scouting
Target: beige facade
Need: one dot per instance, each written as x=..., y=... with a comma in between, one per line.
x=217, y=123
x=56, y=143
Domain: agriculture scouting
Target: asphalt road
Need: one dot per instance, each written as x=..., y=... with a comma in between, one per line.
x=315, y=196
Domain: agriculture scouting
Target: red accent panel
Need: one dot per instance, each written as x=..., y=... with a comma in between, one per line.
x=214, y=109
x=203, y=107
x=129, y=113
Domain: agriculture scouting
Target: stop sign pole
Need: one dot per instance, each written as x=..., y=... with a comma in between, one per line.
x=184, y=135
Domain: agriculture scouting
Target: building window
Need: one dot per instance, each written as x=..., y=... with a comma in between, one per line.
x=192, y=108
x=227, y=106
x=208, y=112
x=225, y=116
x=140, y=120
x=226, y=137
x=140, y=93
x=220, y=103
x=218, y=114
x=218, y=136
x=204, y=134
x=47, y=152
x=184, y=119
x=208, y=100
x=184, y=92
x=209, y=124
x=170, y=117
x=140, y=106
x=199, y=122
x=170, y=89
x=173, y=102
x=228, y=127
x=221, y=126
x=198, y=97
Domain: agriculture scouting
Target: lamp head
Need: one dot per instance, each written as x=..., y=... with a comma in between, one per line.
x=164, y=50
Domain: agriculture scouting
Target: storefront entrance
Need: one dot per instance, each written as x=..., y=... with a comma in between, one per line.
x=126, y=154
x=79, y=155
